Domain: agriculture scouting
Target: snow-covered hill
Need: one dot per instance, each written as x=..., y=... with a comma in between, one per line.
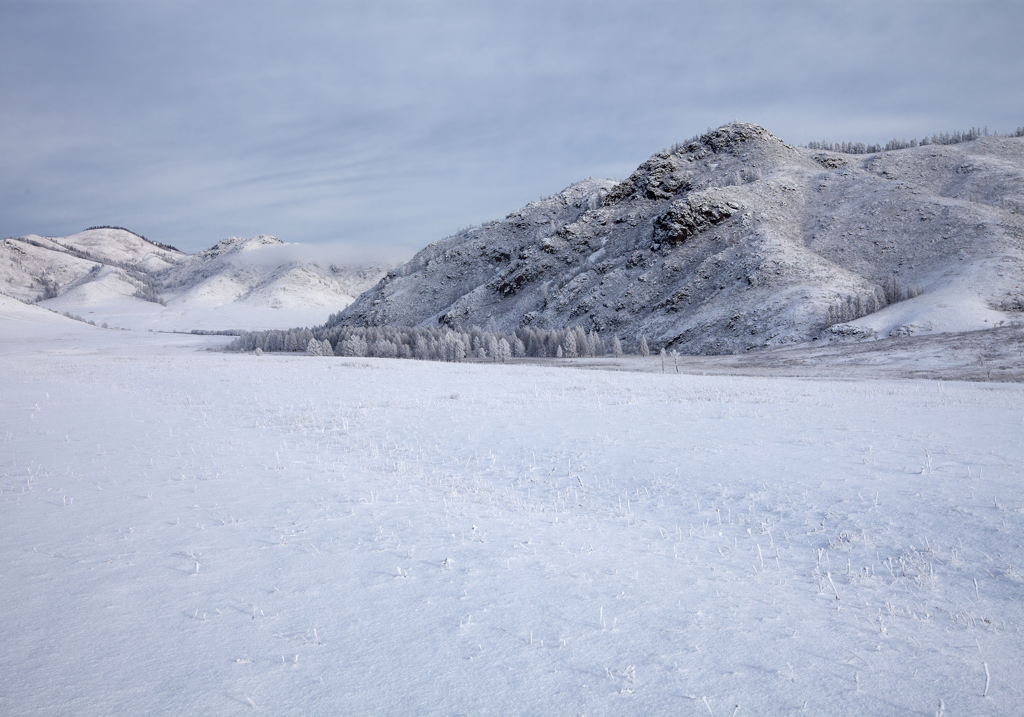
x=737, y=241
x=116, y=277
x=22, y=322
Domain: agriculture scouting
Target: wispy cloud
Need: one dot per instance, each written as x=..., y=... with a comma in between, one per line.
x=394, y=123
x=324, y=255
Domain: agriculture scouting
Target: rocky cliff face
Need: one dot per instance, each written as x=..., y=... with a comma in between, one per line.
x=736, y=241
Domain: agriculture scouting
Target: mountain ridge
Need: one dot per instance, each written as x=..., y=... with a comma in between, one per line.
x=738, y=241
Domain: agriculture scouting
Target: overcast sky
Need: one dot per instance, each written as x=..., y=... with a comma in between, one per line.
x=394, y=124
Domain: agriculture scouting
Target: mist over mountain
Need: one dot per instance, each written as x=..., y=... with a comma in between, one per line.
x=111, y=275
x=736, y=241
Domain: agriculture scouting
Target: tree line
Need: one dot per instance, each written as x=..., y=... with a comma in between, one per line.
x=437, y=343
x=851, y=308
x=955, y=137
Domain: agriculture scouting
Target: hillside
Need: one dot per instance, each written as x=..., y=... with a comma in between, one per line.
x=23, y=322
x=738, y=241
x=114, y=276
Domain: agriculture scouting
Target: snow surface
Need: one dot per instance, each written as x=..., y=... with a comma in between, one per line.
x=193, y=532
x=951, y=307
x=20, y=322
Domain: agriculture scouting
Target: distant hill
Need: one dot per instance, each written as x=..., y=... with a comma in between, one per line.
x=737, y=241
x=111, y=275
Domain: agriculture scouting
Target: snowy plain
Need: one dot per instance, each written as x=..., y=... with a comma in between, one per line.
x=193, y=532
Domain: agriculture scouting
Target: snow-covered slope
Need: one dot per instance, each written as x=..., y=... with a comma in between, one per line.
x=33, y=266
x=20, y=322
x=738, y=241
x=114, y=276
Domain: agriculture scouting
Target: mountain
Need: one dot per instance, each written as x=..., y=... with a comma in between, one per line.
x=114, y=276
x=736, y=241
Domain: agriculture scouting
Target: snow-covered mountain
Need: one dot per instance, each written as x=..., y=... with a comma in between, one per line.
x=736, y=241
x=116, y=277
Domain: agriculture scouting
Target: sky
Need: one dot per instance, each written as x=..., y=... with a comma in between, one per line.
x=388, y=125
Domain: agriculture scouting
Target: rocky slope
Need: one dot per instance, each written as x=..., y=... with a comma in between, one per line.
x=738, y=241
x=114, y=276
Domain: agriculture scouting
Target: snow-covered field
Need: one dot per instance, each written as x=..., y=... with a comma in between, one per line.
x=193, y=532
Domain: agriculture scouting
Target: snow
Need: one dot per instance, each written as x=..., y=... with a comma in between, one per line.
x=951, y=307
x=218, y=303
x=19, y=322
x=116, y=246
x=251, y=284
x=108, y=284
x=194, y=532
x=21, y=263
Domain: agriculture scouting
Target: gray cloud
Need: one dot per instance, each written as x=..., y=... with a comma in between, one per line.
x=324, y=255
x=395, y=123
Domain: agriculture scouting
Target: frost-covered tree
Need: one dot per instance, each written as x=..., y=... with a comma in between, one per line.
x=617, y=348
x=354, y=345
x=422, y=349
x=504, y=351
x=51, y=289
x=382, y=348
x=518, y=347
x=313, y=348
x=458, y=349
x=644, y=350
x=893, y=289
x=569, y=346
x=582, y=344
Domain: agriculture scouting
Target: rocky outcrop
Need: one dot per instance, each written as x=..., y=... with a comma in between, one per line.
x=690, y=216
